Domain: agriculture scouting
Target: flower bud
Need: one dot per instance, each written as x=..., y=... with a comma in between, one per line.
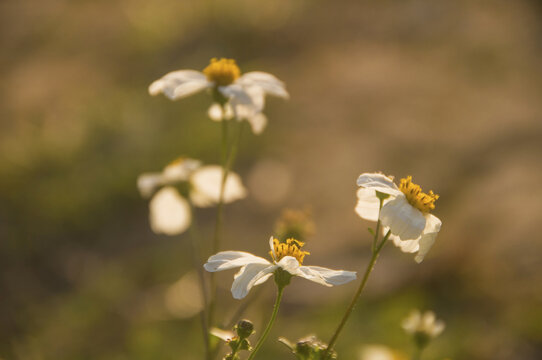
x=244, y=328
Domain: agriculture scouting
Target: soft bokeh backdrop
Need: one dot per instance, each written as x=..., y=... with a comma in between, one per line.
x=447, y=91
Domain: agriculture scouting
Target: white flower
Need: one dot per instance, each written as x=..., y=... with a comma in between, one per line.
x=405, y=212
x=379, y=352
x=287, y=256
x=425, y=324
x=169, y=211
x=243, y=96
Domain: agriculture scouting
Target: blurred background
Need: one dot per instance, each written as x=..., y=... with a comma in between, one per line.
x=446, y=91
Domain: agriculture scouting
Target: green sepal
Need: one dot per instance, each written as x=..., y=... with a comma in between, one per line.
x=282, y=278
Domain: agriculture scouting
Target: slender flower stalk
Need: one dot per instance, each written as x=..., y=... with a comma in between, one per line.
x=269, y=324
x=417, y=354
x=197, y=263
x=376, y=248
x=229, y=153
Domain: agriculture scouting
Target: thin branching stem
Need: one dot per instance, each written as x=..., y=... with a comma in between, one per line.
x=376, y=248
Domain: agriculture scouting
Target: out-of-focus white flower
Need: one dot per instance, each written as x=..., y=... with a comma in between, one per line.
x=379, y=352
x=406, y=211
x=287, y=256
x=169, y=210
x=425, y=324
x=241, y=96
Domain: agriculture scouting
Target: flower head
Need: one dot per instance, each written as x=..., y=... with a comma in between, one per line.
x=405, y=211
x=294, y=223
x=185, y=179
x=235, y=95
x=379, y=352
x=286, y=257
x=423, y=327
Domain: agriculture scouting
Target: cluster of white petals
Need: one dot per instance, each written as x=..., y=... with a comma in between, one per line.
x=245, y=95
x=256, y=270
x=411, y=230
x=425, y=323
x=170, y=212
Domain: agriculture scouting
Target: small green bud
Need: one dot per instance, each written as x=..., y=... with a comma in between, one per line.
x=234, y=343
x=303, y=349
x=245, y=345
x=244, y=328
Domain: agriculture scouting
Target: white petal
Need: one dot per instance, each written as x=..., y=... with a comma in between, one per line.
x=412, y=321
x=257, y=95
x=217, y=113
x=225, y=335
x=437, y=328
x=428, y=237
x=368, y=205
x=269, y=83
x=402, y=218
x=325, y=276
x=188, y=88
x=378, y=182
x=272, y=246
x=179, y=170
x=257, y=122
x=169, y=212
x=263, y=279
x=407, y=246
x=290, y=264
x=206, y=183
x=172, y=80
x=226, y=260
x=236, y=93
x=249, y=276
x=148, y=182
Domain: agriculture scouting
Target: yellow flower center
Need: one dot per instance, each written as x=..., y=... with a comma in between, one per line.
x=222, y=72
x=291, y=247
x=177, y=161
x=420, y=200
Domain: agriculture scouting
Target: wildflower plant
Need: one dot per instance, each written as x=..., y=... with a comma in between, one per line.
x=286, y=261
x=402, y=214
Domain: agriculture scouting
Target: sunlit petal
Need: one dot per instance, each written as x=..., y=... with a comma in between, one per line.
x=325, y=276
x=368, y=205
x=249, y=276
x=428, y=237
x=206, y=182
x=378, y=182
x=169, y=82
x=148, y=182
x=169, y=212
x=226, y=260
x=404, y=220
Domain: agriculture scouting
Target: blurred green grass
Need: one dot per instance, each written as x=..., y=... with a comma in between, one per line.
x=446, y=91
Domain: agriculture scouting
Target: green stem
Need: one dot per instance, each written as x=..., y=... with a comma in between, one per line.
x=227, y=163
x=197, y=263
x=368, y=271
x=417, y=353
x=269, y=324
